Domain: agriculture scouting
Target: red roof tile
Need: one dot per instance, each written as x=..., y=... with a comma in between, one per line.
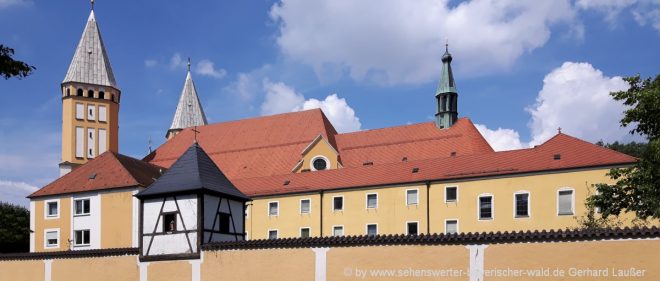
x=107, y=171
x=574, y=153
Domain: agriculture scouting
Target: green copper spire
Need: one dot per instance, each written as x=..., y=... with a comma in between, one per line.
x=447, y=84
x=446, y=95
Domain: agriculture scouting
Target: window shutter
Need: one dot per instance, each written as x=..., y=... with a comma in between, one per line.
x=372, y=201
x=102, y=113
x=451, y=227
x=412, y=197
x=80, y=111
x=304, y=206
x=51, y=235
x=566, y=202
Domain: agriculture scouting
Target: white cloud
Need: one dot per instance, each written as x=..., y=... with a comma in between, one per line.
x=282, y=98
x=575, y=97
x=643, y=11
x=338, y=112
x=9, y=3
x=177, y=62
x=150, y=63
x=15, y=192
x=401, y=41
x=207, y=68
x=501, y=139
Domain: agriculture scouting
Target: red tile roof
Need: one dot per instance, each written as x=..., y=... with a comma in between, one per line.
x=574, y=153
x=107, y=171
x=271, y=145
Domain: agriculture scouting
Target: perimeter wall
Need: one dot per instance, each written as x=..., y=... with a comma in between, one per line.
x=542, y=256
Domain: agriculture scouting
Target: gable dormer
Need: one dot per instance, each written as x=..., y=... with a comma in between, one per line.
x=318, y=155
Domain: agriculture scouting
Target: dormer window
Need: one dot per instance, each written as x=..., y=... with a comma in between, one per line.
x=320, y=163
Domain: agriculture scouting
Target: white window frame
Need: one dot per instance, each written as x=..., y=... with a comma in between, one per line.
x=82, y=245
x=366, y=228
x=305, y=227
x=366, y=198
x=572, y=201
x=327, y=162
x=46, y=215
x=91, y=114
x=46, y=231
x=300, y=206
x=492, y=206
x=450, y=186
x=529, y=204
x=81, y=199
x=408, y=222
x=417, y=195
x=343, y=203
x=457, y=225
x=277, y=234
x=80, y=114
x=278, y=208
x=343, y=232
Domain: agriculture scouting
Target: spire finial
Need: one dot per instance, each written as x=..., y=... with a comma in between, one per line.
x=188, y=64
x=559, y=130
x=92, y=1
x=447, y=45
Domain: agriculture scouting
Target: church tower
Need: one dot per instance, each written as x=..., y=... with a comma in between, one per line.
x=446, y=95
x=90, y=102
x=189, y=112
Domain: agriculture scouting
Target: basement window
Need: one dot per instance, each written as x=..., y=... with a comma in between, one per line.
x=412, y=228
x=304, y=232
x=169, y=222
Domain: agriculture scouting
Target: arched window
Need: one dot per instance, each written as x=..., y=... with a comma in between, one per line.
x=68, y=92
x=79, y=93
x=90, y=93
x=112, y=97
x=101, y=95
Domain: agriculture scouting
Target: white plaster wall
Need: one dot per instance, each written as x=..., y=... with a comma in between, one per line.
x=170, y=243
x=91, y=221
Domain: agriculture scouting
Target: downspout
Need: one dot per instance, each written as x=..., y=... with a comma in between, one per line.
x=321, y=216
x=428, y=211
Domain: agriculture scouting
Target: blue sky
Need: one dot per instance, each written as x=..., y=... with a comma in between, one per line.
x=522, y=69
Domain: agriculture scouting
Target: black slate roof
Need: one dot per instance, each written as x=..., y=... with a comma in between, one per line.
x=193, y=171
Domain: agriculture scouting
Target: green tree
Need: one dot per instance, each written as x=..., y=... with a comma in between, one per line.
x=10, y=67
x=14, y=228
x=635, y=149
x=637, y=188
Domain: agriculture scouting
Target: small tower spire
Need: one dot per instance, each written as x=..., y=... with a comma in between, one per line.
x=189, y=112
x=446, y=94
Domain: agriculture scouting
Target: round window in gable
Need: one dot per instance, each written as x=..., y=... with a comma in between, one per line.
x=319, y=163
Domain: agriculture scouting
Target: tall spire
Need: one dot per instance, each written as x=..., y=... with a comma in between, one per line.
x=446, y=94
x=189, y=112
x=90, y=63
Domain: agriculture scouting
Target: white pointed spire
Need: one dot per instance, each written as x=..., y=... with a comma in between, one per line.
x=189, y=112
x=90, y=63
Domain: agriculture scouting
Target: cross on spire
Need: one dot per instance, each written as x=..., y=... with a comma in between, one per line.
x=188, y=64
x=195, y=131
x=92, y=4
x=559, y=130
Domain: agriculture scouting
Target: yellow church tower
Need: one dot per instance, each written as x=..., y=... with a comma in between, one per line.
x=90, y=102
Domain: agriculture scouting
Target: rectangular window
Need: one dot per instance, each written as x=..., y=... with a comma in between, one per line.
x=273, y=208
x=304, y=232
x=91, y=144
x=80, y=111
x=224, y=222
x=451, y=226
x=522, y=205
x=565, y=202
x=52, y=209
x=451, y=194
x=169, y=222
x=102, y=141
x=337, y=230
x=81, y=237
x=412, y=228
x=272, y=234
x=52, y=238
x=372, y=201
x=305, y=206
x=81, y=207
x=91, y=112
x=103, y=113
x=485, y=207
x=411, y=197
x=338, y=203
x=372, y=229
x=80, y=142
